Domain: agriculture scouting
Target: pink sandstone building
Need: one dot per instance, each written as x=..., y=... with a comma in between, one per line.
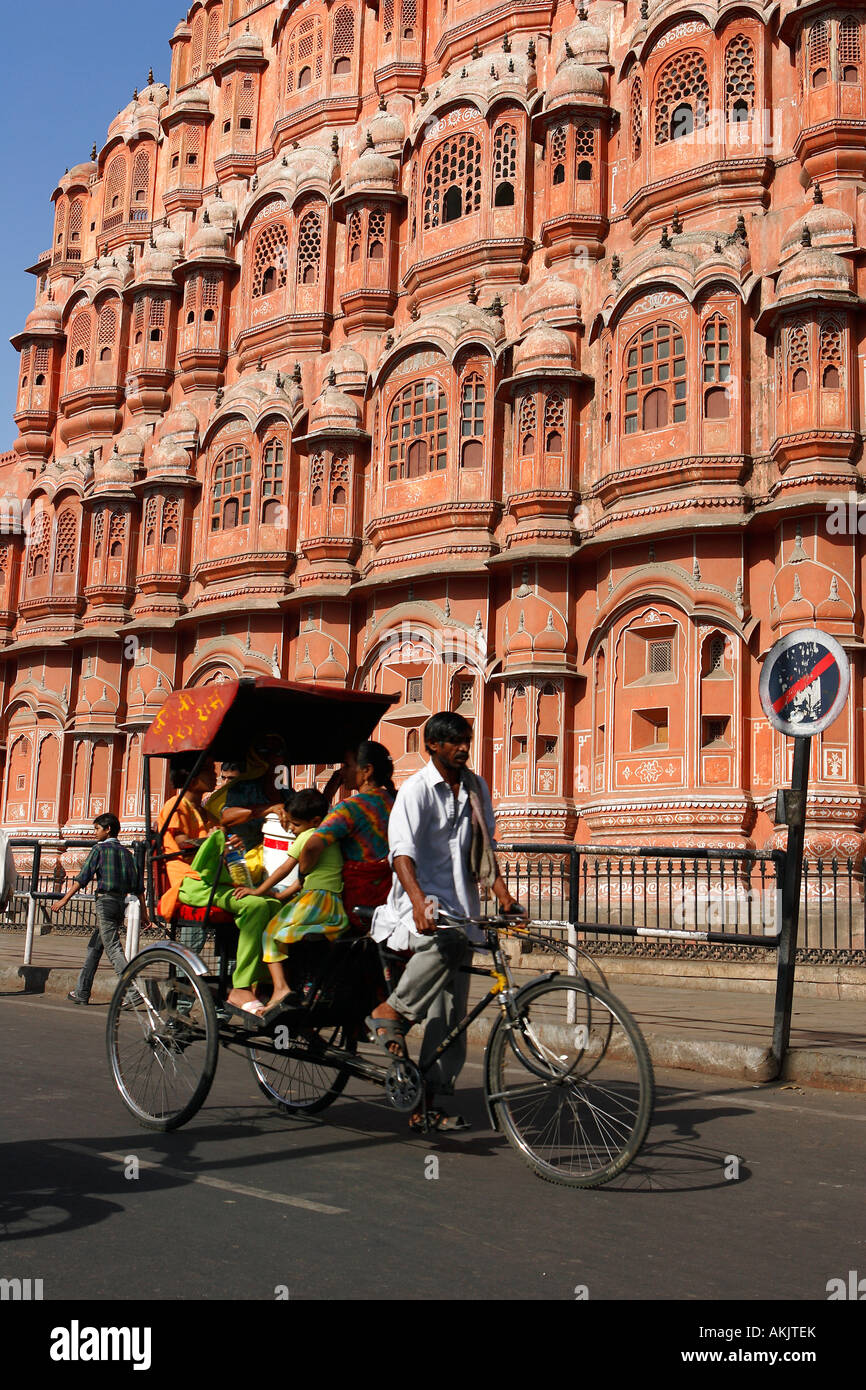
x=506, y=356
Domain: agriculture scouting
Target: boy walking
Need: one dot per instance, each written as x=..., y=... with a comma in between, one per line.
x=116, y=874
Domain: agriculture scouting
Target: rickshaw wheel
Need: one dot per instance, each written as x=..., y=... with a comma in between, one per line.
x=162, y=1038
x=293, y=1076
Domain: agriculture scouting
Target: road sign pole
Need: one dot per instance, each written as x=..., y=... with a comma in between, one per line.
x=792, y=878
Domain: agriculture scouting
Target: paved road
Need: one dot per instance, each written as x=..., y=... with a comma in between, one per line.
x=243, y=1201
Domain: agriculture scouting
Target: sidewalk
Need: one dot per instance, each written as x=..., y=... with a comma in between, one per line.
x=723, y=1032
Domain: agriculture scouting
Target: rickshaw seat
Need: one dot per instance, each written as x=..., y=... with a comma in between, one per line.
x=186, y=916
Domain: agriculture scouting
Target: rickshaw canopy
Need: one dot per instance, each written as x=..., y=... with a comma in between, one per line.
x=316, y=722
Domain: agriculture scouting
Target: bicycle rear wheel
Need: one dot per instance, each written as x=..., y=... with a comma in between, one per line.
x=571, y=1083
x=296, y=1077
x=162, y=1039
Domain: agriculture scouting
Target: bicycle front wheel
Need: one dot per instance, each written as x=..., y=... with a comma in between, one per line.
x=571, y=1082
x=162, y=1037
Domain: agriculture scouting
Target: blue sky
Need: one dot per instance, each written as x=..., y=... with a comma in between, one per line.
x=66, y=72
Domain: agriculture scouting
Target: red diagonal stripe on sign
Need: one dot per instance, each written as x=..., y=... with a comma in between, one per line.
x=803, y=682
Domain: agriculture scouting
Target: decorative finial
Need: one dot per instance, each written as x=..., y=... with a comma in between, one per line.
x=150, y=77
x=370, y=145
x=464, y=72
x=383, y=105
x=717, y=246
x=218, y=397
x=806, y=238
x=817, y=194
x=135, y=94
x=569, y=51
x=696, y=570
x=389, y=341
x=130, y=254
x=615, y=266
x=740, y=230
x=582, y=13
x=278, y=380
x=255, y=181
x=296, y=374
x=506, y=44
x=296, y=144
x=644, y=9
x=423, y=96
x=473, y=292
x=530, y=52
x=676, y=224
x=206, y=218
x=332, y=377
x=497, y=308
x=510, y=64
x=476, y=51
x=93, y=151
x=414, y=312
x=260, y=365
x=493, y=73
x=285, y=161
x=665, y=239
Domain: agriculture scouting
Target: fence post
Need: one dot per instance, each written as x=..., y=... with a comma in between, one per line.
x=133, y=927
x=31, y=903
x=573, y=895
x=792, y=875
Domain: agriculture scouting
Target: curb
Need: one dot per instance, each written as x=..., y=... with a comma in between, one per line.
x=821, y=1068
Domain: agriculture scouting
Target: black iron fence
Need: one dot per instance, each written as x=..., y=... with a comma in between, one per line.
x=37, y=887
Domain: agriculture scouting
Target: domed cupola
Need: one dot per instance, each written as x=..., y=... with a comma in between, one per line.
x=388, y=131
x=543, y=350
x=372, y=172
x=813, y=272
x=827, y=227
x=335, y=448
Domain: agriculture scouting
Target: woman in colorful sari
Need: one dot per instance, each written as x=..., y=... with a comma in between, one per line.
x=359, y=825
x=184, y=825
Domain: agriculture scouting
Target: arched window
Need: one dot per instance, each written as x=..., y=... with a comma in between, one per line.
x=76, y=220
x=376, y=235
x=66, y=547
x=339, y=482
x=343, y=44
x=849, y=49
x=140, y=186
x=739, y=79
x=554, y=423
x=272, y=481
x=452, y=180
x=417, y=430
x=504, y=165
x=558, y=148
x=231, y=489
x=797, y=353
x=682, y=97
x=60, y=221
x=584, y=152
x=408, y=18
x=115, y=187
x=656, y=368
x=309, y=249
x=79, y=339
x=270, y=260
x=353, y=234
x=38, y=544
x=472, y=400
x=304, y=50
x=527, y=425
x=116, y=535
x=716, y=366
x=388, y=20
x=818, y=54
x=106, y=331
x=317, y=479
x=636, y=118
x=214, y=20
x=197, y=46
x=170, y=520
x=830, y=353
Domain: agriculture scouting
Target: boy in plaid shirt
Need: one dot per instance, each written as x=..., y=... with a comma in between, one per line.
x=116, y=874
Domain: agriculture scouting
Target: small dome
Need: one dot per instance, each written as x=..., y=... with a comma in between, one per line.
x=208, y=241
x=159, y=258
x=334, y=410
x=827, y=227
x=130, y=446
x=221, y=212
x=169, y=456
x=553, y=299
x=387, y=130
x=246, y=44
x=45, y=318
x=79, y=173
x=574, y=81
x=542, y=347
x=155, y=93
x=350, y=368
x=814, y=270
x=588, y=42
x=180, y=420
x=190, y=99
x=373, y=171
x=114, y=470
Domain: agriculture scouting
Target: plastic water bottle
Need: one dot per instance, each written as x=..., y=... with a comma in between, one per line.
x=238, y=868
x=431, y=909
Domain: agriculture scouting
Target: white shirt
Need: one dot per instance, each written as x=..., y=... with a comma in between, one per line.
x=436, y=833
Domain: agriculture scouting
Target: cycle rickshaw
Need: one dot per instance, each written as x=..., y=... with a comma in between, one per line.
x=567, y=1075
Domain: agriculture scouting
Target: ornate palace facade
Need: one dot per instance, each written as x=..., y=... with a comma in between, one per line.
x=506, y=356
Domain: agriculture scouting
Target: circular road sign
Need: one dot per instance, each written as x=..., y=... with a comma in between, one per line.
x=804, y=682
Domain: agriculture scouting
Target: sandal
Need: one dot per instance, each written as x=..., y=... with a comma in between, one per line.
x=385, y=1032
x=426, y=1121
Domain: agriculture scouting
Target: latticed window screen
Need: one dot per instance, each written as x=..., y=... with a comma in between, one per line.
x=42, y=359
x=232, y=489
x=140, y=180
x=138, y=316
x=271, y=260
x=304, y=54
x=504, y=154
x=554, y=424
x=417, y=430
x=76, y=220
x=818, y=53
x=309, y=249
x=454, y=164
x=196, y=52
x=388, y=19
x=157, y=313
x=213, y=33
x=660, y=658
x=99, y=532
x=797, y=353
x=151, y=515
x=354, y=236
x=107, y=326
x=60, y=221
x=228, y=94
x=344, y=33
x=408, y=19
x=655, y=372
x=116, y=535
x=717, y=654
x=584, y=144
x=739, y=77
x=170, y=520
x=339, y=479
x=115, y=182
x=317, y=479
x=717, y=350
x=67, y=542
x=38, y=545
x=558, y=148
x=528, y=424
x=247, y=99
x=376, y=234
x=682, y=81
x=210, y=292
x=79, y=339
x=636, y=118
x=606, y=393
x=849, y=49
x=191, y=142
x=830, y=352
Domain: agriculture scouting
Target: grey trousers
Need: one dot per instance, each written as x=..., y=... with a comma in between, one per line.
x=110, y=908
x=434, y=988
